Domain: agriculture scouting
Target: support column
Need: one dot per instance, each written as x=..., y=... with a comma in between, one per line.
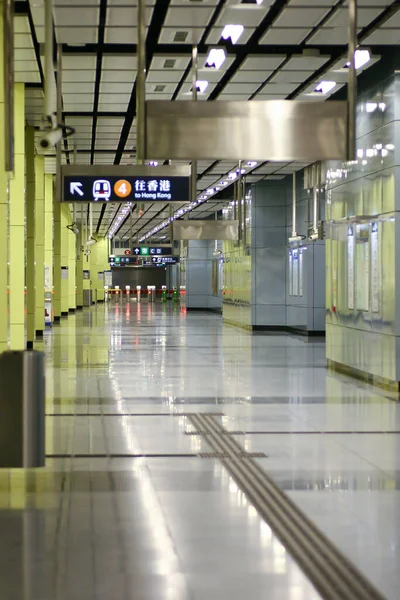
x=57, y=258
x=102, y=264
x=64, y=221
x=71, y=268
x=3, y=203
x=79, y=271
x=86, y=273
x=48, y=241
x=16, y=237
x=39, y=245
x=30, y=234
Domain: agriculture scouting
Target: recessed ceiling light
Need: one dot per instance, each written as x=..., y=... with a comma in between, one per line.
x=210, y=191
x=232, y=31
x=251, y=163
x=361, y=58
x=223, y=183
x=325, y=87
x=232, y=175
x=202, y=86
x=216, y=57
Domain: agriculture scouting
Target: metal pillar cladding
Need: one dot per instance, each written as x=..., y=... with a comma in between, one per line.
x=141, y=85
x=8, y=81
x=352, y=82
x=194, y=98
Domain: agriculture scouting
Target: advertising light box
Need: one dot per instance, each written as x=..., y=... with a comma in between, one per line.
x=117, y=183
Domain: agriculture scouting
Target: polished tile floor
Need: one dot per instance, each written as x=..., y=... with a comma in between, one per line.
x=126, y=509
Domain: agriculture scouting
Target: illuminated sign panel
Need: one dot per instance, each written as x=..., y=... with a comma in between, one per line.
x=116, y=183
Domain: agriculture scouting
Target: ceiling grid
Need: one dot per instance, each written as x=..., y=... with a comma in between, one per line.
x=285, y=49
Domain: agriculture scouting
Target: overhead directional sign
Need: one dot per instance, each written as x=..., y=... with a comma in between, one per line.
x=117, y=183
x=152, y=251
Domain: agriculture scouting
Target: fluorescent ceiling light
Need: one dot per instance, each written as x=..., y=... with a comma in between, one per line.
x=371, y=106
x=361, y=58
x=202, y=86
x=232, y=31
x=216, y=57
x=325, y=87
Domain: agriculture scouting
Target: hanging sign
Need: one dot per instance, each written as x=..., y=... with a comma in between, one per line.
x=117, y=183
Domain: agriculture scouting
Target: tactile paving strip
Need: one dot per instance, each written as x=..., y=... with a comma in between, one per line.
x=331, y=573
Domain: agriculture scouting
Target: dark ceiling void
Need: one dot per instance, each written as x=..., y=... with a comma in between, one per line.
x=99, y=61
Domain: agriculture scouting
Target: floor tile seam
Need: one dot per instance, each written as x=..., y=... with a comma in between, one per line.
x=362, y=458
x=356, y=575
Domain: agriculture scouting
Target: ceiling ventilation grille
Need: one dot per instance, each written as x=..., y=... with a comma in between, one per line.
x=181, y=36
x=169, y=63
x=159, y=88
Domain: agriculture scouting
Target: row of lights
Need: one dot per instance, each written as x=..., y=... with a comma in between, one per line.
x=217, y=56
x=227, y=180
x=362, y=156
x=126, y=209
x=123, y=213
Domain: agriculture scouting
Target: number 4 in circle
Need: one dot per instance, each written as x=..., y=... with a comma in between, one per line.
x=122, y=188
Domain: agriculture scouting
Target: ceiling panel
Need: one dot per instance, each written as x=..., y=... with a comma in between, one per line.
x=282, y=35
x=260, y=63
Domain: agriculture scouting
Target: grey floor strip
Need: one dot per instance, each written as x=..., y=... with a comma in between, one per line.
x=331, y=573
x=105, y=455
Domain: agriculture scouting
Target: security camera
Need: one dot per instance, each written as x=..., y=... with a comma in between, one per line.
x=74, y=228
x=51, y=137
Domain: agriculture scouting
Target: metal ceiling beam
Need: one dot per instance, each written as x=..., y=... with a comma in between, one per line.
x=185, y=49
x=157, y=21
x=99, y=62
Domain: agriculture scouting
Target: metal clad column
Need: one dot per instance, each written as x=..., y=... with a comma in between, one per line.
x=352, y=82
x=16, y=237
x=194, y=97
x=141, y=85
